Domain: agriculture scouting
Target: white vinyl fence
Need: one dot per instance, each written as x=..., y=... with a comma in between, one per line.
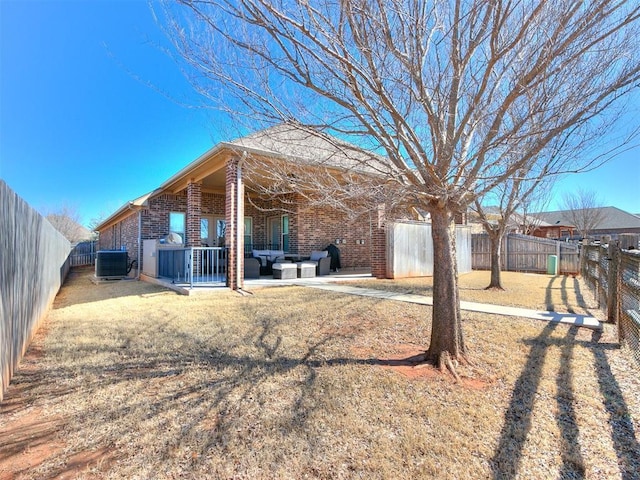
x=33, y=265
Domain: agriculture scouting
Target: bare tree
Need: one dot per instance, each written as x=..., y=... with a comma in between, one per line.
x=66, y=220
x=457, y=95
x=506, y=201
x=95, y=221
x=507, y=206
x=537, y=202
x=584, y=210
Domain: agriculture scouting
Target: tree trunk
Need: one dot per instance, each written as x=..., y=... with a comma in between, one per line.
x=495, y=239
x=447, y=342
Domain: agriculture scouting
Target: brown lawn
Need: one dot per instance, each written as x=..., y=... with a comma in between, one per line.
x=558, y=293
x=128, y=380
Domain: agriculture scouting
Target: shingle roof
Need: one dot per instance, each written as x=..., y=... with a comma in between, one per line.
x=311, y=147
x=289, y=142
x=613, y=218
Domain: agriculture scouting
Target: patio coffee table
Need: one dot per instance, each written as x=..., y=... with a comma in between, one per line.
x=306, y=269
x=284, y=271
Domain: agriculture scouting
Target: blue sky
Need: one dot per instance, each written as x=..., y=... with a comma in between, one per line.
x=80, y=124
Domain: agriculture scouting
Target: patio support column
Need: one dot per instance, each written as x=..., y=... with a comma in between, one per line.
x=194, y=206
x=379, y=245
x=234, y=213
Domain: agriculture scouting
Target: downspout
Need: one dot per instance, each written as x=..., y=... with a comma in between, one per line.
x=239, y=221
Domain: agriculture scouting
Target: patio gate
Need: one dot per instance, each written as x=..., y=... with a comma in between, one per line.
x=83, y=253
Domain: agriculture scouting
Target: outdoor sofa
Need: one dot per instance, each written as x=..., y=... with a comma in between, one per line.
x=267, y=258
x=322, y=261
x=251, y=268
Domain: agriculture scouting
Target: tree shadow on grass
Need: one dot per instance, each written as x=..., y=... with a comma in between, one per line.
x=506, y=461
x=572, y=460
x=548, y=295
x=565, y=287
x=215, y=394
x=517, y=420
x=580, y=297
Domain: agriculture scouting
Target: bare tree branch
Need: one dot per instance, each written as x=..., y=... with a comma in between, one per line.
x=458, y=97
x=584, y=210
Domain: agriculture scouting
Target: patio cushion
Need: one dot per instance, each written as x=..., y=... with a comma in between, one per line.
x=317, y=255
x=306, y=269
x=260, y=255
x=275, y=254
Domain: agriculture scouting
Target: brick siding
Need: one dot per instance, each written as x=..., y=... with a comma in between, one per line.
x=124, y=234
x=309, y=228
x=316, y=228
x=194, y=212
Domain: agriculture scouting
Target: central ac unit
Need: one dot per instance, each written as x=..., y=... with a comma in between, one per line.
x=111, y=263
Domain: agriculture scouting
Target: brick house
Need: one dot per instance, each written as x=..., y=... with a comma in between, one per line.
x=207, y=205
x=612, y=222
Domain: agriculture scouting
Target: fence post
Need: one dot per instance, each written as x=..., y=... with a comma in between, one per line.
x=505, y=249
x=612, y=284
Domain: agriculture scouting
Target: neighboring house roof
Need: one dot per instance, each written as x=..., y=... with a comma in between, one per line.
x=284, y=142
x=494, y=214
x=613, y=219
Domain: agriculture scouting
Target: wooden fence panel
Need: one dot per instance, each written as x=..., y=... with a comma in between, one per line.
x=523, y=253
x=33, y=265
x=83, y=253
x=463, y=248
x=410, y=249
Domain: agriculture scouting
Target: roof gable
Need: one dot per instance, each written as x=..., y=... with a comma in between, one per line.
x=292, y=143
x=311, y=147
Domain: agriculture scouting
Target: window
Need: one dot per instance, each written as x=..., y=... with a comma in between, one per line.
x=221, y=231
x=285, y=233
x=204, y=231
x=177, y=222
x=248, y=232
x=278, y=228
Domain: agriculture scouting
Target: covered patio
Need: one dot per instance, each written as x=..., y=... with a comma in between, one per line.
x=184, y=288
x=222, y=208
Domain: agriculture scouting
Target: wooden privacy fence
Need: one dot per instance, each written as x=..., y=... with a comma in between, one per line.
x=83, y=253
x=410, y=249
x=613, y=275
x=33, y=264
x=524, y=253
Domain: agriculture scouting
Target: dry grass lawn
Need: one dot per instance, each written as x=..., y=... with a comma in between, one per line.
x=557, y=293
x=128, y=380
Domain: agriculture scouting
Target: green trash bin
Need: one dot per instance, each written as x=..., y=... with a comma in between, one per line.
x=552, y=264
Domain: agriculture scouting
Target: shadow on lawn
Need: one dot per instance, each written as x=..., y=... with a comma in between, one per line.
x=506, y=460
x=564, y=295
x=215, y=395
x=79, y=288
